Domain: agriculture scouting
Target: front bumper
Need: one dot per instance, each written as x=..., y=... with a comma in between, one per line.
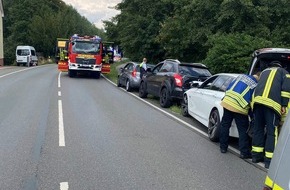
x=84, y=67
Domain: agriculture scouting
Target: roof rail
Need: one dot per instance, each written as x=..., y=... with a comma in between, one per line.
x=175, y=60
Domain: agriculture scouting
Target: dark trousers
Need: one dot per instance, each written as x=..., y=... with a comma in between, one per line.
x=242, y=122
x=265, y=117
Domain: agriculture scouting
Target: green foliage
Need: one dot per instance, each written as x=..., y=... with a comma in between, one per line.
x=38, y=23
x=221, y=33
x=231, y=52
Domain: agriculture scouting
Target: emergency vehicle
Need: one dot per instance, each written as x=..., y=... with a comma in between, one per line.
x=261, y=59
x=84, y=54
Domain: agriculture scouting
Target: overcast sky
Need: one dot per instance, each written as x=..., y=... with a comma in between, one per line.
x=95, y=10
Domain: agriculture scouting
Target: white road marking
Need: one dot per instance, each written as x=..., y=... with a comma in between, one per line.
x=59, y=93
x=60, y=125
x=64, y=186
x=17, y=72
x=58, y=81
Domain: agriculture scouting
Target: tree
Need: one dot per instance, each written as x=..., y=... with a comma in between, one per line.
x=231, y=53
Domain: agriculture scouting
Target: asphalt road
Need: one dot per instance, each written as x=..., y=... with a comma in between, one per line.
x=80, y=133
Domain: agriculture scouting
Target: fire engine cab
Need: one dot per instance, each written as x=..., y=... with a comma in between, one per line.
x=87, y=55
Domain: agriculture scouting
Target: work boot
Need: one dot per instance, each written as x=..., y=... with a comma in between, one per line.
x=267, y=165
x=257, y=160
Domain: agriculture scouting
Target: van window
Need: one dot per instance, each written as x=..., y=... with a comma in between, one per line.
x=23, y=52
x=33, y=52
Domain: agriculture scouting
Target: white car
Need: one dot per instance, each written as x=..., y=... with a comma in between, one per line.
x=203, y=103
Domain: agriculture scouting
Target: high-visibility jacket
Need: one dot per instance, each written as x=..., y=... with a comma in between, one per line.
x=273, y=89
x=239, y=94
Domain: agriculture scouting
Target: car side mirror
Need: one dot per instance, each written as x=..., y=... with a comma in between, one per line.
x=194, y=84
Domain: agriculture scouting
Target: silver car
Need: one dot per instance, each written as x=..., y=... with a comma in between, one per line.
x=129, y=76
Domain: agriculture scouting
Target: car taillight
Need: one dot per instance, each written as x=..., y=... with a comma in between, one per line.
x=134, y=73
x=178, y=80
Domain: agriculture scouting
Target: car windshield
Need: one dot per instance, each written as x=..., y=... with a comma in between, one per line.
x=86, y=47
x=194, y=71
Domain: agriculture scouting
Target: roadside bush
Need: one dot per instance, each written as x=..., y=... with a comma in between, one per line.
x=231, y=53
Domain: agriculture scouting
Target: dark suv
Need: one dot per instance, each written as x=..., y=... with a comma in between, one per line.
x=170, y=78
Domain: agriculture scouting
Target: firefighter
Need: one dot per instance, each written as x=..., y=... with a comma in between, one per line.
x=270, y=100
x=236, y=104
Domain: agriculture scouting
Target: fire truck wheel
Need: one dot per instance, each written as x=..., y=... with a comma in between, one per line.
x=97, y=75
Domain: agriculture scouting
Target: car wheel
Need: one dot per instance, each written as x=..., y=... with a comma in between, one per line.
x=184, y=106
x=214, y=126
x=165, y=101
x=118, y=82
x=128, y=86
x=142, y=90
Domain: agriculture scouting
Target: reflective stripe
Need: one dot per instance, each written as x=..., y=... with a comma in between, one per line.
x=277, y=187
x=269, y=154
x=235, y=105
x=269, y=83
x=268, y=102
x=245, y=91
x=238, y=98
x=257, y=149
x=269, y=181
x=234, y=85
x=285, y=94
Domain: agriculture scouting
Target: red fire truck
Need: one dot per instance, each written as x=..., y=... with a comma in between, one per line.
x=84, y=54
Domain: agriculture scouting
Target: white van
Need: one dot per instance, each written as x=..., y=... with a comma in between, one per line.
x=26, y=56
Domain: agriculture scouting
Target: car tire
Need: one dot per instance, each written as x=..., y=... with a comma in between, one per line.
x=118, y=82
x=128, y=86
x=164, y=101
x=214, y=126
x=142, y=90
x=184, y=106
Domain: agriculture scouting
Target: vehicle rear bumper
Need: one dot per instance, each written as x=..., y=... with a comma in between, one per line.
x=177, y=93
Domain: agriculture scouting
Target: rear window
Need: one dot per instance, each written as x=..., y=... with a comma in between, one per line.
x=194, y=71
x=23, y=52
x=262, y=61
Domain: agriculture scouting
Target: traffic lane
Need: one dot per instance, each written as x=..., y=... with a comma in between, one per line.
x=25, y=106
x=115, y=141
x=11, y=69
x=233, y=142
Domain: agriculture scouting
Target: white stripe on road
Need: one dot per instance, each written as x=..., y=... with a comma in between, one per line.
x=59, y=93
x=60, y=124
x=64, y=186
x=16, y=72
x=58, y=81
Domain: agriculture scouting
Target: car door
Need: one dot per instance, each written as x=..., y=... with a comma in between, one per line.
x=124, y=73
x=197, y=99
x=151, y=79
x=211, y=97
